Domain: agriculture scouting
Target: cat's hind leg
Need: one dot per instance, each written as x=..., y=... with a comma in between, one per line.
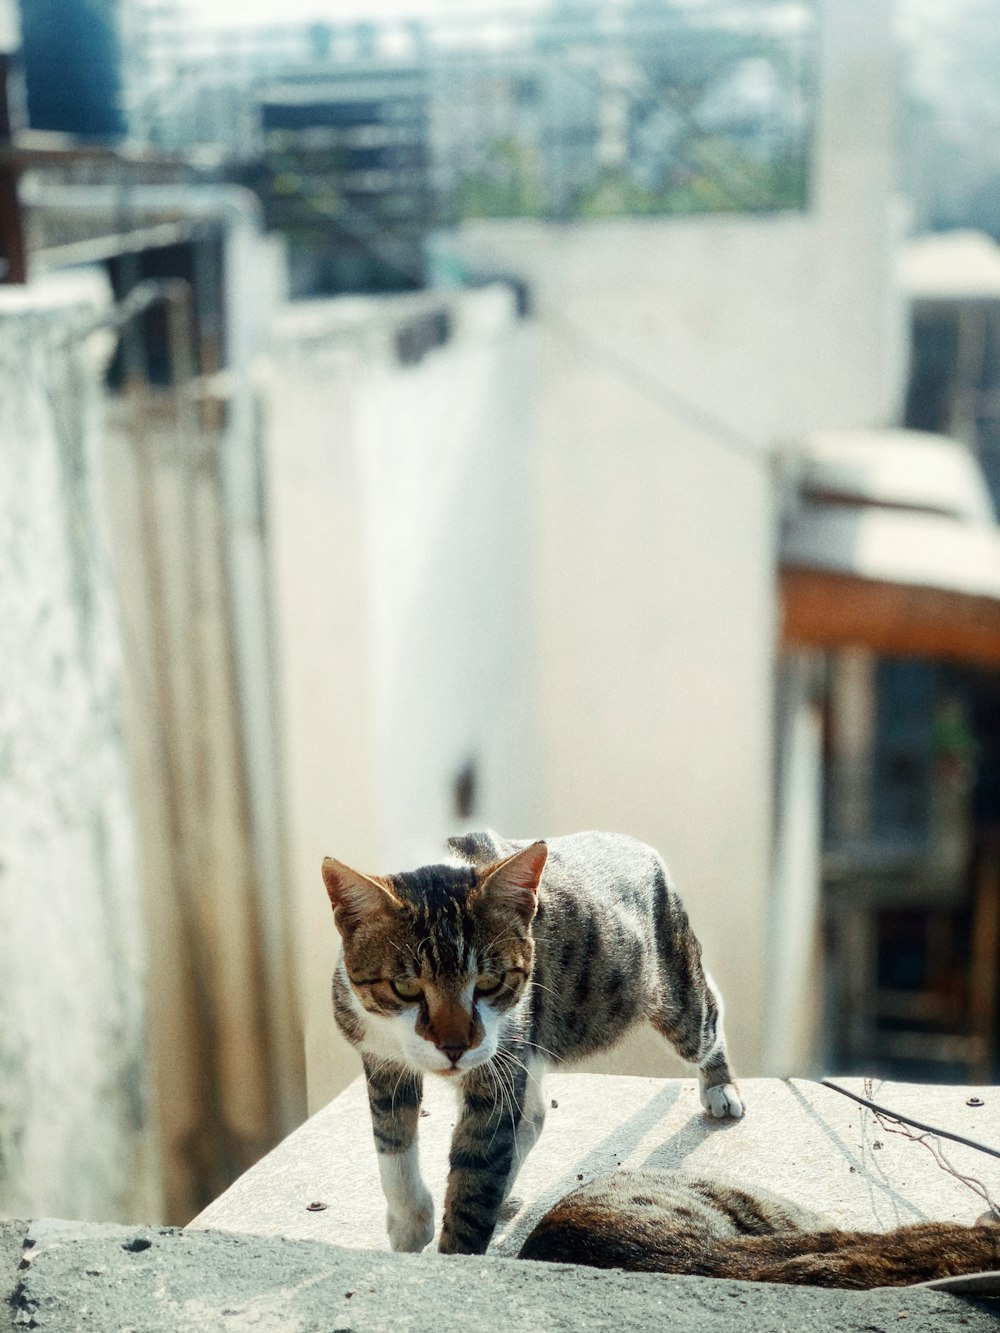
x=717, y=1087
x=688, y=1010
x=695, y=1030
x=719, y=1094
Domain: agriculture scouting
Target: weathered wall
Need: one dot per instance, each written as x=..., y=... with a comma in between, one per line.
x=184, y=486
x=399, y=523
x=75, y=1132
x=208, y=992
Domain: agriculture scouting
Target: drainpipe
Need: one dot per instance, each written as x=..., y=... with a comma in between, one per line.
x=13, y=256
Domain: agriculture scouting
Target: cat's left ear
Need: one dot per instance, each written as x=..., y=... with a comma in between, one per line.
x=514, y=882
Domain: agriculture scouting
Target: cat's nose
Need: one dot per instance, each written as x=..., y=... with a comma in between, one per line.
x=454, y=1052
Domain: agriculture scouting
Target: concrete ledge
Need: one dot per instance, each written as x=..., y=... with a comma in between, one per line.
x=100, y=1278
x=803, y=1140
x=12, y=1235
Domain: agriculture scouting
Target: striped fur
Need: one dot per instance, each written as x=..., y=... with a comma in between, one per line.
x=664, y=1222
x=485, y=971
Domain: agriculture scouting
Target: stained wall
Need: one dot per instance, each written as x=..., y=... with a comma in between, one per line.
x=76, y=1132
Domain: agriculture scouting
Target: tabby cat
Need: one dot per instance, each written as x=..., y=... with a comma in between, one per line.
x=484, y=970
x=664, y=1222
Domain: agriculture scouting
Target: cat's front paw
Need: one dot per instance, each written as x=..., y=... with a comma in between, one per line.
x=723, y=1102
x=412, y=1229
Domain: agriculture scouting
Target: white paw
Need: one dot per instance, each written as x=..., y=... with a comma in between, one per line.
x=722, y=1102
x=411, y=1230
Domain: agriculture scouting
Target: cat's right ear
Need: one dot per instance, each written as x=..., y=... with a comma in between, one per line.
x=354, y=896
x=514, y=882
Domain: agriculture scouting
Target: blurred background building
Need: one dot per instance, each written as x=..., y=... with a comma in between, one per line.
x=549, y=416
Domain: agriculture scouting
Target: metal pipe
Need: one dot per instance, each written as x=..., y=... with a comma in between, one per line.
x=13, y=253
x=113, y=244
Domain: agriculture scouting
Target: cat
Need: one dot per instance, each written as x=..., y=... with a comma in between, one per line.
x=483, y=971
x=666, y=1222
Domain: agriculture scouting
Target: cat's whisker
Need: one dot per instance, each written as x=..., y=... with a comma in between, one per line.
x=509, y=1070
x=498, y=1088
x=543, y=1050
x=521, y=1037
x=498, y=1072
x=528, y=1074
x=507, y=930
x=537, y=985
x=402, y=1074
x=511, y=1100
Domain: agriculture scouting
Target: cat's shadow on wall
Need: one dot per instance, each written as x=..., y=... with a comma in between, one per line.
x=861, y=1177
x=519, y=1215
x=671, y=1153
x=864, y=1166
x=868, y=1169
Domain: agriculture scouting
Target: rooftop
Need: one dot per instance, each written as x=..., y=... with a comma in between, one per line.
x=798, y=1138
x=260, y=1258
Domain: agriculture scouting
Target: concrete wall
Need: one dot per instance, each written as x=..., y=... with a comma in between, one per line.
x=208, y=984
x=184, y=487
x=399, y=525
x=672, y=354
x=75, y=1133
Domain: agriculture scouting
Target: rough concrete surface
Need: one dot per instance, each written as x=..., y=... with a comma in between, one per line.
x=11, y=1238
x=799, y=1138
x=126, y=1280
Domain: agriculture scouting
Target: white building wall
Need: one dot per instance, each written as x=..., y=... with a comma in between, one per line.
x=399, y=524
x=9, y=26
x=672, y=354
x=589, y=611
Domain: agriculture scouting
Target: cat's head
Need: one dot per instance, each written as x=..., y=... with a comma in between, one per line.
x=437, y=956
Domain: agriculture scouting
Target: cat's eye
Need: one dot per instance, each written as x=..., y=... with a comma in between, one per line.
x=406, y=988
x=488, y=983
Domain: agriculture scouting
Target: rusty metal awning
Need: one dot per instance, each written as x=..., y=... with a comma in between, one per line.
x=892, y=544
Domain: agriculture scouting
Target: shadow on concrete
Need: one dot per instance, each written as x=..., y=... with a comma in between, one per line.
x=878, y=1190
x=518, y=1218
